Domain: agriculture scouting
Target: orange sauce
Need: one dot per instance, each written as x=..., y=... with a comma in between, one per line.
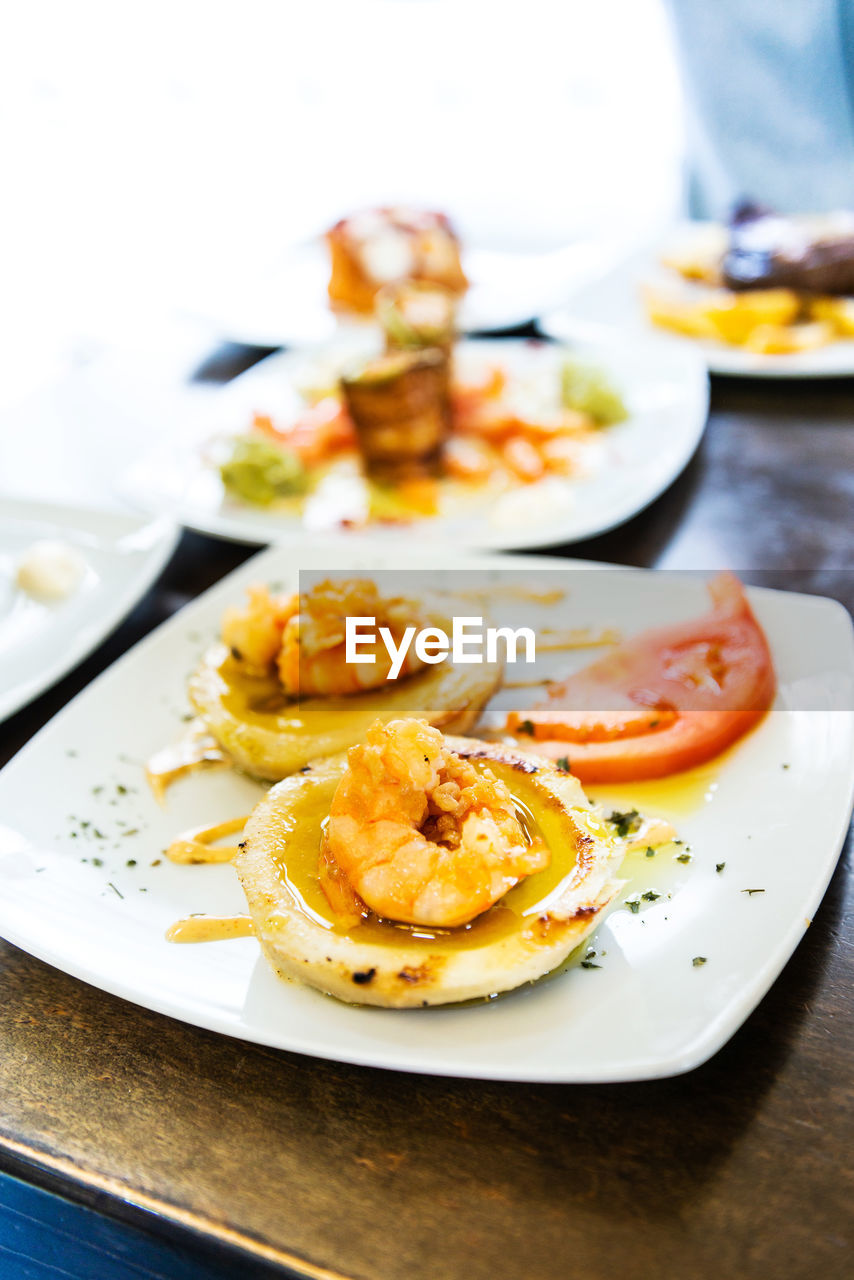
x=197, y=844
x=198, y=749
x=202, y=928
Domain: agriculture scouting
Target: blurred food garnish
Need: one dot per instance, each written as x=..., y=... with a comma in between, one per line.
x=383, y=246
x=416, y=314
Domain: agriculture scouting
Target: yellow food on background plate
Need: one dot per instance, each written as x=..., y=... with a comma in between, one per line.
x=773, y=285
x=278, y=691
x=703, y=311
x=420, y=870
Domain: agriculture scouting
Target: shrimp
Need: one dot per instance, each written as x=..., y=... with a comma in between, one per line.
x=302, y=637
x=421, y=835
x=254, y=635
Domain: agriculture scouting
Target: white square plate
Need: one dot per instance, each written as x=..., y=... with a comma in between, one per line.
x=76, y=813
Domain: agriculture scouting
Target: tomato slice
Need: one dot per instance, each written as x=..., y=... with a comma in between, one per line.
x=664, y=701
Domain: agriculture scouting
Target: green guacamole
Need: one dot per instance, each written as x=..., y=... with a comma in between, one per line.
x=588, y=390
x=259, y=471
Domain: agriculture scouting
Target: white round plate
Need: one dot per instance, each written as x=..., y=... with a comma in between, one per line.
x=614, y=302
x=287, y=305
x=92, y=895
x=631, y=463
x=39, y=642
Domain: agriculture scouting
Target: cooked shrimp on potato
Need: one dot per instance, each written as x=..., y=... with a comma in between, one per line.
x=301, y=636
x=420, y=834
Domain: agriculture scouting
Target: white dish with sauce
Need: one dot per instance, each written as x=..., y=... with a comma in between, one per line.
x=101, y=565
x=78, y=888
x=625, y=468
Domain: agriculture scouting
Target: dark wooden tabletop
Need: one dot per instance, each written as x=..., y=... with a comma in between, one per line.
x=741, y=1168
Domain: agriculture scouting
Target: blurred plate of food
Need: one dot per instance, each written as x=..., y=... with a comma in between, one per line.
x=313, y=289
x=695, y=884
x=765, y=296
x=489, y=444
x=68, y=575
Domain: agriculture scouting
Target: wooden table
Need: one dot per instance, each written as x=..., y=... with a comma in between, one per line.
x=739, y=1169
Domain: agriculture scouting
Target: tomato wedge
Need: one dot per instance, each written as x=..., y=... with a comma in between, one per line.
x=664, y=701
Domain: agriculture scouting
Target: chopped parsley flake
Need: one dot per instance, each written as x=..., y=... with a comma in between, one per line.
x=698, y=961
x=719, y=866
x=683, y=857
x=590, y=964
x=633, y=905
x=650, y=895
x=563, y=763
x=527, y=726
x=650, y=852
x=751, y=891
x=625, y=823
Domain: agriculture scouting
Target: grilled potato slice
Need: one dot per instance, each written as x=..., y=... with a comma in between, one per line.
x=529, y=932
x=270, y=736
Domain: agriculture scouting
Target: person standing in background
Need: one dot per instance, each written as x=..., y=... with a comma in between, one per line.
x=769, y=94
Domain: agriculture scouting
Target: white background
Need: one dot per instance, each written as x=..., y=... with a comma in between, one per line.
x=144, y=149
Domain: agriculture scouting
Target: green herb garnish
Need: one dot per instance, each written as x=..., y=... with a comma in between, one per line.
x=625, y=823
x=698, y=961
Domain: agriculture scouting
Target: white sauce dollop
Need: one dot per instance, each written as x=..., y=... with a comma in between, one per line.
x=50, y=570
